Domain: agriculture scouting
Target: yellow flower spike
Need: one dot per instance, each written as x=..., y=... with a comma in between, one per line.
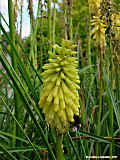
x=54, y=78
x=70, y=102
x=58, y=82
x=66, y=100
x=67, y=44
x=62, y=104
x=51, y=60
x=62, y=63
x=70, y=114
x=76, y=102
x=40, y=104
x=98, y=30
x=57, y=48
x=58, y=69
x=49, y=87
x=70, y=69
x=58, y=123
x=46, y=108
x=56, y=100
x=55, y=90
x=65, y=88
x=62, y=75
x=49, y=99
x=68, y=81
x=59, y=98
x=50, y=71
x=94, y=5
x=72, y=77
x=48, y=78
x=62, y=115
x=43, y=97
x=55, y=107
x=116, y=24
x=50, y=66
x=75, y=110
x=50, y=116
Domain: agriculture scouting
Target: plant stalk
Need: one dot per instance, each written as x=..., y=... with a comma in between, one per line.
x=21, y=19
x=49, y=23
x=54, y=19
x=14, y=64
x=111, y=107
x=70, y=23
x=59, y=147
x=100, y=97
x=89, y=40
x=65, y=18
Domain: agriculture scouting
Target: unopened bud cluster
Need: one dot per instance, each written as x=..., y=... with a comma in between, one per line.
x=59, y=99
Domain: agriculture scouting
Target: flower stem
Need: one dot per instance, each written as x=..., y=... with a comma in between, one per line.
x=100, y=98
x=14, y=64
x=59, y=147
x=49, y=23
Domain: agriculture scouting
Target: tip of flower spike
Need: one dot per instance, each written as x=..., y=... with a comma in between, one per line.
x=57, y=48
x=73, y=52
x=73, y=46
x=45, y=66
x=51, y=60
x=66, y=43
x=51, y=55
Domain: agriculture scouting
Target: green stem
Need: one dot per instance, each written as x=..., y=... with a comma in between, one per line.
x=117, y=68
x=108, y=65
x=112, y=73
x=69, y=22
x=54, y=19
x=33, y=48
x=65, y=18
x=81, y=104
x=100, y=98
x=30, y=7
x=71, y=25
x=111, y=108
x=14, y=63
x=49, y=23
x=89, y=39
x=59, y=147
x=35, y=34
x=41, y=39
x=21, y=20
